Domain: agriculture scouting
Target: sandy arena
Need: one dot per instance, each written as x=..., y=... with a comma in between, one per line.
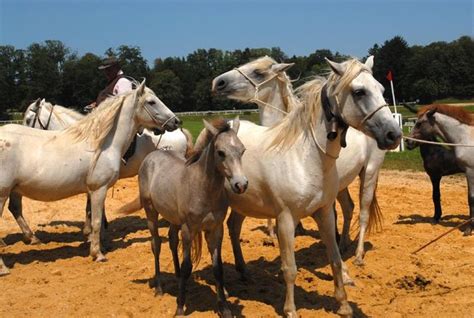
x=58, y=278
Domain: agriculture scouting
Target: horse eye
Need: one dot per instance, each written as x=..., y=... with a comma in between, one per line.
x=152, y=102
x=258, y=73
x=359, y=93
x=221, y=154
x=417, y=125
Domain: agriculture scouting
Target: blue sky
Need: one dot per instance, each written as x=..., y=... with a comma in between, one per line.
x=176, y=28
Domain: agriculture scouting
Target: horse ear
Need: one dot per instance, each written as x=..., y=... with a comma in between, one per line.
x=430, y=113
x=210, y=128
x=369, y=63
x=281, y=67
x=141, y=87
x=236, y=124
x=337, y=68
x=37, y=102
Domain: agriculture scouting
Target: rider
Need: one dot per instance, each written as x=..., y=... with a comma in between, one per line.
x=117, y=84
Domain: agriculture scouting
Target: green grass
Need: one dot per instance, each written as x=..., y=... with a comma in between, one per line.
x=194, y=123
x=405, y=160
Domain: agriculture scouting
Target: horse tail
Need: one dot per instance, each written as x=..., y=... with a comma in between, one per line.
x=189, y=143
x=196, y=249
x=375, y=213
x=131, y=207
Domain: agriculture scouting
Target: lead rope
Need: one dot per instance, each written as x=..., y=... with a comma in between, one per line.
x=261, y=102
x=436, y=142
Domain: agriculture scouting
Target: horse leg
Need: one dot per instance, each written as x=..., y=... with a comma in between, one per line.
x=16, y=208
x=214, y=244
x=186, y=268
x=174, y=241
x=436, y=196
x=347, y=205
x=368, y=210
x=97, y=204
x=152, y=222
x=87, y=230
x=470, y=191
x=325, y=219
x=3, y=268
x=286, y=242
x=270, y=229
x=234, y=225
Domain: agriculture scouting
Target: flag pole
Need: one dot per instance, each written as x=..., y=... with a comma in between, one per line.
x=393, y=96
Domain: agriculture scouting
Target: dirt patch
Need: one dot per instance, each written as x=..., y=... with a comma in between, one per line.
x=57, y=278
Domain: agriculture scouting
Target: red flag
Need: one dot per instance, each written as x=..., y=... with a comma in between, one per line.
x=389, y=76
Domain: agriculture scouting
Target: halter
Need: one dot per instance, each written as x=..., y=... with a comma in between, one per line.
x=259, y=101
x=155, y=120
x=38, y=117
x=255, y=98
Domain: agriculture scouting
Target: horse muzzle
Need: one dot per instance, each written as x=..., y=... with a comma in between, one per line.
x=239, y=184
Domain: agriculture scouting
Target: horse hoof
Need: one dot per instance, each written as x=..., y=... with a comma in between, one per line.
x=347, y=281
x=100, y=258
x=158, y=291
x=35, y=241
x=223, y=310
x=4, y=271
x=468, y=232
x=345, y=310
x=359, y=261
x=179, y=312
x=291, y=314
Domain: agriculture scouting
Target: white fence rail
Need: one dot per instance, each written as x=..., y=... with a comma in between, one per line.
x=218, y=112
x=6, y=122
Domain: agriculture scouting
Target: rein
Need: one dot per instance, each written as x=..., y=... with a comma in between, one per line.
x=421, y=141
x=38, y=118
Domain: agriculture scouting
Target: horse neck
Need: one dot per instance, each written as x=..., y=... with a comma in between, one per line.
x=125, y=127
x=268, y=115
x=211, y=179
x=452, y=130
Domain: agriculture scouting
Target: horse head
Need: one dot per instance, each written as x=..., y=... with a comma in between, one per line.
x=152, y=113
x=356, y=98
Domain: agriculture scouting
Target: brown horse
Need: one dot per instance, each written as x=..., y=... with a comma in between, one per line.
x=190, y=195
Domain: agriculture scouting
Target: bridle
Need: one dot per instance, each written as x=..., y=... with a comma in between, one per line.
x=37, y=117
x=255, y=98
x=335, y=120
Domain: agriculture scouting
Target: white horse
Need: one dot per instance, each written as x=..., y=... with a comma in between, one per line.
x=265, y=83
x=84, y=158
x=454, y=125
x=296, y=176
x=44, y=115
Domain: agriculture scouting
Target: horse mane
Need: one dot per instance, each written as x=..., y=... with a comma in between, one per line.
x=58, y=110
x=68, y=111
x=97, y=125
x=205, y=138
x=303, y=117
x=263, y=65
x=456, y=112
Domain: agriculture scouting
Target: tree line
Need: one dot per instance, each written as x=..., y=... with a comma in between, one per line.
x=51, y=70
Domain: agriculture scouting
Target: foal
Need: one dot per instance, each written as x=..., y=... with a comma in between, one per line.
x=190, y=195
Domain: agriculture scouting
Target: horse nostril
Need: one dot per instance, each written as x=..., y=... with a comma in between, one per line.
x=221, y=84
x=178, y=121
x=390, y=136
